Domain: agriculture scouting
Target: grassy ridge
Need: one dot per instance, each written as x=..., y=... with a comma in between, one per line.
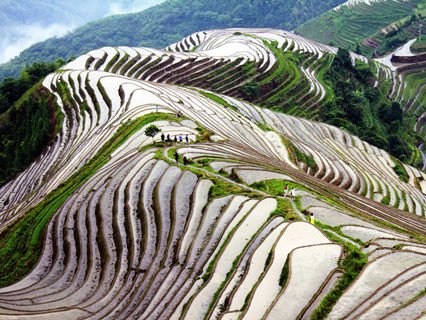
x=21, y=245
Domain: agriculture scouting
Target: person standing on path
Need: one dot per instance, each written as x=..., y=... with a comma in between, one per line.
x=285, y=190
x=162, y=137
x=180, y=138
x=312, y=218
x=176, y=156
x=186, y=139
x=293, y=193
x=185, y=161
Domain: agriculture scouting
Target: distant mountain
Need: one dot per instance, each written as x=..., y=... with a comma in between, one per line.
x=23, y=24
x=166, y=23
x=367, y=26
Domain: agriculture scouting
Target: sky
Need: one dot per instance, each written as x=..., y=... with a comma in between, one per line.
x=15, y=37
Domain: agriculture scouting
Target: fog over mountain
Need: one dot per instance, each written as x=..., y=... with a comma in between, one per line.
x=25, y=23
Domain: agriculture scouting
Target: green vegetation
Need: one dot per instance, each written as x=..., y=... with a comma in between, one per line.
x=275, y=187
x=264, y=127
x=300, y=156
x=284, y=88
x=356, y=27
x=414, y=98
x=22, y=244
x=29, y=118
x=220, y=188
x=11, y=90
x=351, y=265
x=217, y=99
x=285, y=210
x=420, y=45
x=361, y=109
x=400, y=171
x=285, y=272
x=25, y=130
x=400, y=32
x=167, y=23
x=386, y=199
x=151, y=131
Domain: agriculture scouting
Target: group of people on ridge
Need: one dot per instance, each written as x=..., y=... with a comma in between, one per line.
x=175, y=139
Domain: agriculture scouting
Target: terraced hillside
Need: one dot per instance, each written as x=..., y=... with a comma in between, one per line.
x=357, y=24
x=409, y=81
x=384, y=29
x=276, y=69
x=115, y=225
x=270, y=69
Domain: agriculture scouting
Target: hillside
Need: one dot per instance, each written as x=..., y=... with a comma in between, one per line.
x=386, y=30
x=409, y=86
x=166, y=23
x=25, y=23
x=111, y=223
x=366, y=26
x=304, y=79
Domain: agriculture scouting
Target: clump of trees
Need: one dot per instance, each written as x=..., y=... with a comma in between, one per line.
x=152, y=131
x=27, y=119
x=366, y=111
x=12, y=89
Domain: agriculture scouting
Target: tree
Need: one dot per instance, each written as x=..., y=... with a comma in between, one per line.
x=151, y=131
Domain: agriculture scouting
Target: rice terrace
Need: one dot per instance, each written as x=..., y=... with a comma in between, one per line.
x=239, y=173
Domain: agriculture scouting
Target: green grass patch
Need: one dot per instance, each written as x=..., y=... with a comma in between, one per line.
x=420, y=45
x=264, y=127
x=223, y=189
x=275, y=187
x=339, y=232
x=351, y=265
x=285, y=210
x=217, y=99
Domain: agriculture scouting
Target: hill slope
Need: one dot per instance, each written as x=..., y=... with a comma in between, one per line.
x=125, y=227
x=409, y=87
x=169, y=22
x=364, y=25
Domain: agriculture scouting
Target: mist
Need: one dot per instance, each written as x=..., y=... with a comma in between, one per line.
x=19, y=36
